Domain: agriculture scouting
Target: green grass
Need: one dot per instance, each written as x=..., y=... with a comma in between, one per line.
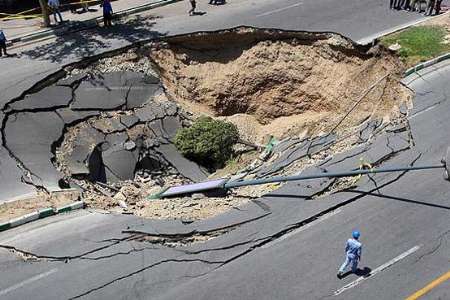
x=419, y=43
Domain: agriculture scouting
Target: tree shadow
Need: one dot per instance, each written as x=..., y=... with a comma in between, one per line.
x=81, y=42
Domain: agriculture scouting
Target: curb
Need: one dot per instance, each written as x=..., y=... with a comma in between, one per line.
x=40, y=214
x=88, y=24
x=426, y=64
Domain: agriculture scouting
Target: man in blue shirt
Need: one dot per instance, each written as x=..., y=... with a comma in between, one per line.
x=107, y=13
x=2, y=43
x=352, y=254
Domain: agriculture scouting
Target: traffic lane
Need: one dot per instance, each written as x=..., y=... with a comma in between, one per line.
x=69, y=235
x=305, y=265
x=356, y=20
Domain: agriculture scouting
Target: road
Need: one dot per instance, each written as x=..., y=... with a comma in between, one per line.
x=101, y=256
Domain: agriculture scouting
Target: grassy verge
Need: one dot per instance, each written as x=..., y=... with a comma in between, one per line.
x=420, y=43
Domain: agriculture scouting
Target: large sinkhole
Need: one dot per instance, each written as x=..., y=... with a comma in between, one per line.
x=125, y=110
x=277, y=82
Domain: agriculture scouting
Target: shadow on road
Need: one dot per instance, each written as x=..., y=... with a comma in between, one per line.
x=359, y=272
x=90, y=42
x=399, y=199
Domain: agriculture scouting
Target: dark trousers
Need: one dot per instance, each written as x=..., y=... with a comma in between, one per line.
x=438, y=6
x=107, y=18
x=3, y=48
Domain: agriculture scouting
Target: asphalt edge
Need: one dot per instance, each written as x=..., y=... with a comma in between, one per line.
x=88, y=24
x=41, y=214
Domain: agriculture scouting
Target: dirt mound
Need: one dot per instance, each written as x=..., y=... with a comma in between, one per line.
x=268, y=75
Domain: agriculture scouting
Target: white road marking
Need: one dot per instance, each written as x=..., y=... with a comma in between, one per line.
x=28, y=281
x=377, y=270
x=278, y=10
x=293, y=232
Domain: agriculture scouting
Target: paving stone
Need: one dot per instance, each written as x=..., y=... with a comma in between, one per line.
x=52, y=96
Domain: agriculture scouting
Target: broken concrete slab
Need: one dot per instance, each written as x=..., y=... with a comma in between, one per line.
x=170, y=125
x=101, y=92
x=11, y=178
x=69, y=116
x=119, y=163
x=184, y=166
x=150, y=112
x=115, y=139
x=71, y=80
x=77, y=160
x=30, y=136
x=321, y=143
x=129, y=120
x=49, y=97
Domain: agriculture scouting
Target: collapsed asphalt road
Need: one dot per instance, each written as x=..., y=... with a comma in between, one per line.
x=279, y=246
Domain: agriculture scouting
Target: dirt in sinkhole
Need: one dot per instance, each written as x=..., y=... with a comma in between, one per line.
x=280, y=84
x=298, y=84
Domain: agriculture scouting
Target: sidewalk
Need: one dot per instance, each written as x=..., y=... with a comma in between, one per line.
x=16, y=30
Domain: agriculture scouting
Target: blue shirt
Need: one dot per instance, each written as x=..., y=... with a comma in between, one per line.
x=353, y=249
x=2, y=36
x=107, y=8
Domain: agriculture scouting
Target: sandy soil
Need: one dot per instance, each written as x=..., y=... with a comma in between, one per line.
x=282, y=88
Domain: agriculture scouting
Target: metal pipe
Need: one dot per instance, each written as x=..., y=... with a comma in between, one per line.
x=325, y=175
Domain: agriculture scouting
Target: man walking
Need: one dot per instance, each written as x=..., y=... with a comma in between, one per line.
x=193, y=6
x=2, y=43
x=352, y=254
x=54, y=5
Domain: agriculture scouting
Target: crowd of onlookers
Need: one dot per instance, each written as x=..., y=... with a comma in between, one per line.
x=422, y=6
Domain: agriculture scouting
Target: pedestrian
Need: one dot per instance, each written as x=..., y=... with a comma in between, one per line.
x=352, y=254
x=3, y=44
x=84, y=6
x=438, y=6
x=412, y=5
x=392, y=4
x=54, y=5
x=193, y=6
x=429, y=7
x=107, y=13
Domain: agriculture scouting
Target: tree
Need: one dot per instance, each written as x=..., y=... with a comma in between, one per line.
x=208, y=142
x=44, y=11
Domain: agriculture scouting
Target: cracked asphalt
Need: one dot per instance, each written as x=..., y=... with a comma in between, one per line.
x=282, y=246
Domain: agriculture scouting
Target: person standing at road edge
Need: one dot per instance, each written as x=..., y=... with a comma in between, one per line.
x=107, y=13
x=353, y=250
x=2, y=43
x=54, y=5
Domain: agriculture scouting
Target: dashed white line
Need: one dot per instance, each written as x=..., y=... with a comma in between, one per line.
x=377, y=270
x=278, y=10
x=293, y=232
x=27, y=281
